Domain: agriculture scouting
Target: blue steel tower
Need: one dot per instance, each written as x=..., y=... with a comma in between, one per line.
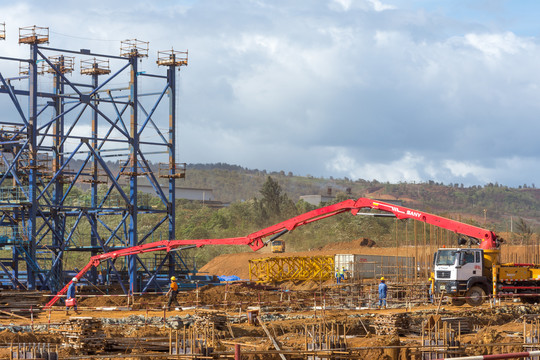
x=92, y=131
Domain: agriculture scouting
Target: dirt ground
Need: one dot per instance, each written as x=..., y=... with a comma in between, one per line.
x=490, y=325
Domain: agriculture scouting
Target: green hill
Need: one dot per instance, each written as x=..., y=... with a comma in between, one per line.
x=233, y=183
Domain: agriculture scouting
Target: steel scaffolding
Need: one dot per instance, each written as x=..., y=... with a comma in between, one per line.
x=64, y=142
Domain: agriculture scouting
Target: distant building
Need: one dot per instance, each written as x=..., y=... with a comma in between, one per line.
x=317, y=199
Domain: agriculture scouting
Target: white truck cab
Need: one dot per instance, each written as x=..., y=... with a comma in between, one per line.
x=458, y=273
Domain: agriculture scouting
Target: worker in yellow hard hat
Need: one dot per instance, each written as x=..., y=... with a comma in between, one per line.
x=172, y=293
x=431, y=284
x=383, y=289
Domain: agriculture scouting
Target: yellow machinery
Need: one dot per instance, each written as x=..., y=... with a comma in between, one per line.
x=278, y=246
x=294, y=268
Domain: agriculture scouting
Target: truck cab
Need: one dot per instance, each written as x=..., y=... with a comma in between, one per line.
x=460, y=274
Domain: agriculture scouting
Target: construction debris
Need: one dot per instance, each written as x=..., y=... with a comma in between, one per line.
x=391, y=324
x=20, y=303
x=84, y=334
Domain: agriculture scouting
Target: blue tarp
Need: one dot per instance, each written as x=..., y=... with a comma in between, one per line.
x=229, y=278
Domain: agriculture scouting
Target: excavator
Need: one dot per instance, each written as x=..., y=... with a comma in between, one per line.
x=487, y=240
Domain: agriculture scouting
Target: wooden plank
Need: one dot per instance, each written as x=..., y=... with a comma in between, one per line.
x=237, y=343
x=230, y=329
x=272, y=339
x=12, y=314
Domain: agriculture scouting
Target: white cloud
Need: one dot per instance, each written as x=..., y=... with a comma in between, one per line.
x=464, y=168
x=402, y=169
x=388, y=38
x=379, y=6
x=497, y=45
x=406, y=95
x=344, y=4
x=376, y=5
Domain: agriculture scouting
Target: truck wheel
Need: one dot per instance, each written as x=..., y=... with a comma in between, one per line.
x=457, y=302
x=475, y=296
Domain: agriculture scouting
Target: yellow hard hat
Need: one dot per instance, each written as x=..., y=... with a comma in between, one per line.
x=382, y=278
x=173, y=278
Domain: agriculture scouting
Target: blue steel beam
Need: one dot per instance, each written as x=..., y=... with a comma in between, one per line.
x=171, y=209
x=58, y=173
x=9, y=90
x=151, y=231
x=61, y=114
x=113, y=232
x=83, y=52
x=32, y=173
x=58, y=73
x=134, y=150
x=153, y=181
x=111, y=122
x=94, y=236
x=154, y=125
x=109, y=173
x=149, y=116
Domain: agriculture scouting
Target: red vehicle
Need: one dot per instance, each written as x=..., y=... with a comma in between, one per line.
x=258, y=239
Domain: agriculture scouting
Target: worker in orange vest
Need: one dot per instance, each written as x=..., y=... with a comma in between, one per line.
x=172, y=293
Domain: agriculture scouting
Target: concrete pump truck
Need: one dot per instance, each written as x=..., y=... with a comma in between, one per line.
x=467, y=275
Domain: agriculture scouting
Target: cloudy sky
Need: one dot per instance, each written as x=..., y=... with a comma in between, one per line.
x=393, y=90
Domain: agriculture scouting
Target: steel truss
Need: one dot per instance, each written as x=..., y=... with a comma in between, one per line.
x=56, y=137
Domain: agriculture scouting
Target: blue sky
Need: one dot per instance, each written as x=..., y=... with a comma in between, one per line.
x=393, y=90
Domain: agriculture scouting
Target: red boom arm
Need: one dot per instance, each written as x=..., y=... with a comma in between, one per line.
x=256, y=240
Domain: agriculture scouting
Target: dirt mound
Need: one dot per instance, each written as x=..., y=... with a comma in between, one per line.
x=8, y=337
x=351, y=245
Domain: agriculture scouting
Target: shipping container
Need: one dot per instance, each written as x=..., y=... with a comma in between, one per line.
x=358, y=267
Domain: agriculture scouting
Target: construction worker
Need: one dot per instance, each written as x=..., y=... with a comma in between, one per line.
x=172, y=293
x=71, y=300
x=383, y=289
x=430, y=289
x=342, y=273
x=338, y=276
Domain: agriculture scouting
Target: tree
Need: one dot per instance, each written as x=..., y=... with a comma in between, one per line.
x=274, y=202
x=271, y=192
x=524, y=230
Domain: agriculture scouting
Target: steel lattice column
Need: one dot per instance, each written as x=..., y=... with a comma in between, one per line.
x=171, y=78
x=58, y=192
x=94, y=179
x=32, y=164
x=134, y=150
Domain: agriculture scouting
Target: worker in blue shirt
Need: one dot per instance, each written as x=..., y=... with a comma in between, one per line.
x=71, y=301
x=382, y=293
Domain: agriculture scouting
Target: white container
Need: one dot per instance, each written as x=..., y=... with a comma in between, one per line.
x=359, y=267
